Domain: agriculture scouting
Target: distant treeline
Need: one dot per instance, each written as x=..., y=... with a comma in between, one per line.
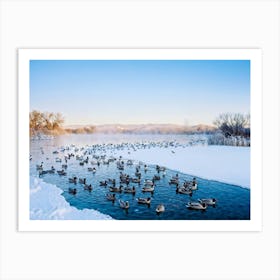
x=81, y=130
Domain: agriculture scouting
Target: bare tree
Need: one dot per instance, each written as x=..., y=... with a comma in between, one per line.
x=233, y=124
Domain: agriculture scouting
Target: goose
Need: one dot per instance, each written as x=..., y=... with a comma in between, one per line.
x=111, y=197
x=116, y=189
x=196, y=206
x=208, y=201
x=148, y=189
x=124, y=204
x=160, y=208
x=144, y=200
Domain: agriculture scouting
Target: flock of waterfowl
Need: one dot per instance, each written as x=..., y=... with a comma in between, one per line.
x=90, y=158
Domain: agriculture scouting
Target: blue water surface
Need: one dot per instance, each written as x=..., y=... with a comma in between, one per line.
x=233, y=202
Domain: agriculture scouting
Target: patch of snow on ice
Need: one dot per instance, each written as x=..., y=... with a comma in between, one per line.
x=47, y=203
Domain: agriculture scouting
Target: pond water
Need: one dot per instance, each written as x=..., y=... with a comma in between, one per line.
x=233, y=202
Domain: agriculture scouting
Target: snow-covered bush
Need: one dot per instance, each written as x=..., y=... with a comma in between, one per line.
x=219, y=139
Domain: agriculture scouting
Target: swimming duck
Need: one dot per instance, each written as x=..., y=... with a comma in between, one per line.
x=160, y=208
x=116, y=189
x=73, y=180
x=148, y=182
x=208, y=201
x=61, y=172
x=88, y=187
x=111, y=197
x=144, y=200
x=196, y=205
x=156, y=178
x=72, y=191
x=135, y=180
x=183, y=190
x=103, y=183
x=148, y=189
x=124, y=204
x=82, y=180
x=130, y=190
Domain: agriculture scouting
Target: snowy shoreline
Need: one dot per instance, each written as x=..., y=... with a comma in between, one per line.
x=47, y=203
x=226, y=164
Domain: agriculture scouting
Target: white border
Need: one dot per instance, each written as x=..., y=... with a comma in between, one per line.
x=254, y=55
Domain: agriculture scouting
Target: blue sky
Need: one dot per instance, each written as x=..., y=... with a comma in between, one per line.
x=140, y=91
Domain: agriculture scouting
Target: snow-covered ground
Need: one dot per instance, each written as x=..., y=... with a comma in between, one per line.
x=221, y=163
x=47, y=203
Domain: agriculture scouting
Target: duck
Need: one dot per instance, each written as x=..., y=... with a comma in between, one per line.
x=103, y=183
x=82, y=180
x=135, y=180
x=130, y=190
x=73, y=180
x=72, y=191
x=183, y=190
x=148, y=189
x=58, y=160
x=148, y=182
x=174, y=181
x=196, y=205
x=64, y=166
x=156, y=178
x=88, y=187
x=124, y=204
x=116, y=189
x=160, y=208
x=39, y=166
x=208, y=201
x=144, y=200
x=61, y=172
x=111, y=196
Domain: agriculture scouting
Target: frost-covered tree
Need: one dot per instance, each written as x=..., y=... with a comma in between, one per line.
x=231, y=124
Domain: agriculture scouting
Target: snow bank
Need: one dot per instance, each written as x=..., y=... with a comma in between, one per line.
x=47, y=203
x=220, y=163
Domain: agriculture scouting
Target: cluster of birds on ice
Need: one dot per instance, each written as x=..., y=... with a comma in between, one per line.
x=94, y=156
